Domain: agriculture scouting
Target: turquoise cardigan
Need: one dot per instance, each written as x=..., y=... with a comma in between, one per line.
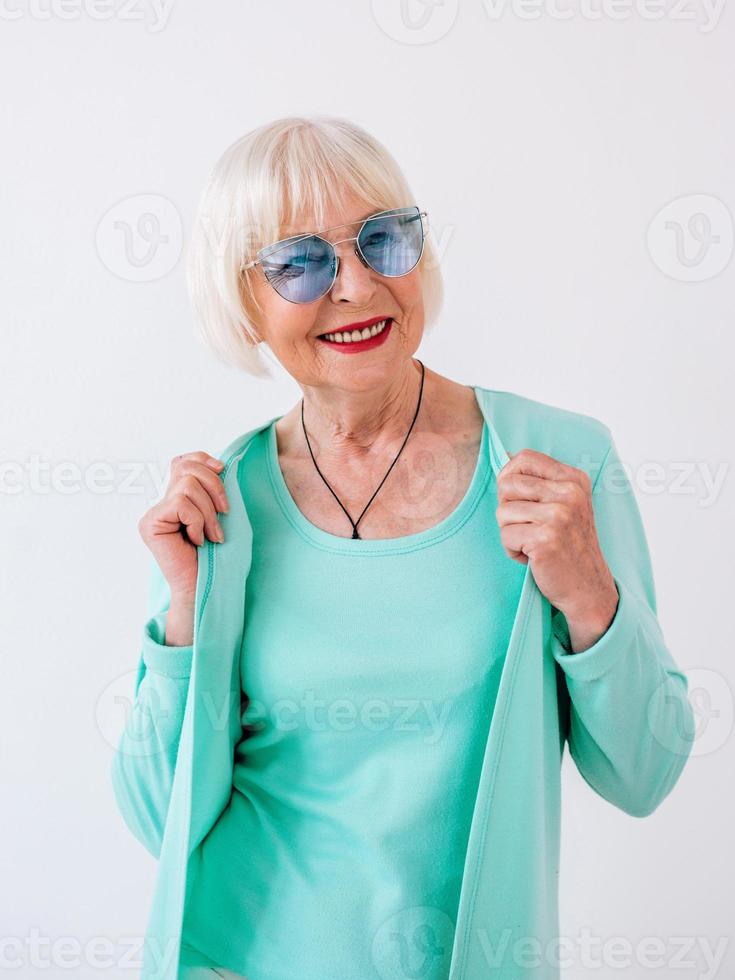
x=621, y=706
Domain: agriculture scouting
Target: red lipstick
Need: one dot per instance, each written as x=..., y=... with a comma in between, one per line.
x=357, y=346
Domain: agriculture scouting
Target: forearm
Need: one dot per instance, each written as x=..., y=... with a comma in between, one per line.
x=144, y=763
x=180, y=622
x=631, y=725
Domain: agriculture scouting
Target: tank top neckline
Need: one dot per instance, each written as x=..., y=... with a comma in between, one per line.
x=377, y=546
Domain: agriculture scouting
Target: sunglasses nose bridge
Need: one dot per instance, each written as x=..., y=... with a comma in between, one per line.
x=361, y=257
x=356, y=250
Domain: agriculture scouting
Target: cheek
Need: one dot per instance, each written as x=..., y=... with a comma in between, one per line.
x=408, y=295
x=411, y=287
x=291, y=329
x=284, y=325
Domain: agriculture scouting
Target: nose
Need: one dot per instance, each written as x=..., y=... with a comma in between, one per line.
x=354, y=281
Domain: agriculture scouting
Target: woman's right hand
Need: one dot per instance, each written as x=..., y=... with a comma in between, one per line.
x=174, y=526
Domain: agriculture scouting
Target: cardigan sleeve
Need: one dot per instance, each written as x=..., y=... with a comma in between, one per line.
x=145, y=760
x=631, y=726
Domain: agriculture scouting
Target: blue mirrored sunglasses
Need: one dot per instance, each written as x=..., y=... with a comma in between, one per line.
x=302, y=269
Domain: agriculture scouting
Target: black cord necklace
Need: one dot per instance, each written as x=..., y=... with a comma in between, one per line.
x=355, y=523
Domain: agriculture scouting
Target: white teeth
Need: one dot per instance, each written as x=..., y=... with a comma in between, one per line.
x=347, y=337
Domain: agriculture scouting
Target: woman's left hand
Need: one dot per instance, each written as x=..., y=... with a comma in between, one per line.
x=546, y=518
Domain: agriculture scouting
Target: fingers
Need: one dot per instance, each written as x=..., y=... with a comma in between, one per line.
x=166, y=518
x=521, y=486
x=200, y=457
x=189, y=493
x=205, y=469
x=534, y=512
x=187, y=512
x=194, y=497
x=531, y=463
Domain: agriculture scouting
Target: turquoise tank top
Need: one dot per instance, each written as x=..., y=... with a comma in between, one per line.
x=370, y=670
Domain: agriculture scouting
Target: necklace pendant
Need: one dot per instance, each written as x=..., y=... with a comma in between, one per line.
x=355, y=534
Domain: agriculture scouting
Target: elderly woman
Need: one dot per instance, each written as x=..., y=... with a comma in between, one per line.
x=373, y=628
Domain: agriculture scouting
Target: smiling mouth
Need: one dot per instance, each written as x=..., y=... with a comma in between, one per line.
x=355, y=336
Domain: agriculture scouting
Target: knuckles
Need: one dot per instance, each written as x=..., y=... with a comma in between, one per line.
x=198, y=456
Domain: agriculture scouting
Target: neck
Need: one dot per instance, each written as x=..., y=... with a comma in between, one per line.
x=347, y=425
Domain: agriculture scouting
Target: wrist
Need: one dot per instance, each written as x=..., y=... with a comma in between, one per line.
x=589, y=624
x=183, y=600
x=179, y=630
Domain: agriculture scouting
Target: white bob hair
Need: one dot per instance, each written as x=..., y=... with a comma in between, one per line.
x=275, y=181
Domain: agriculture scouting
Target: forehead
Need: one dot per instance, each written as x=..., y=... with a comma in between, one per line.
x=337, y=220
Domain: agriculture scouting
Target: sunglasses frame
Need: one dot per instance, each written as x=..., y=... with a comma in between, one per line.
x=358, y=251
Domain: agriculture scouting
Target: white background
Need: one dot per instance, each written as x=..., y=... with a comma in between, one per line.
x=544, y=147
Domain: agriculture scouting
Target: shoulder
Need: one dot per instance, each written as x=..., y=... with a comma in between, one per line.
x=239, y=444
x=574, y=438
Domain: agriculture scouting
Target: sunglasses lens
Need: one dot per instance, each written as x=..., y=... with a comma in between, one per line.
x=303, y=270
x=300, y=271
x=392, y=243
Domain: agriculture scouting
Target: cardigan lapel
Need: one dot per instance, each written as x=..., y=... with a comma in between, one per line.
x=212, y=721
x=504, y=872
